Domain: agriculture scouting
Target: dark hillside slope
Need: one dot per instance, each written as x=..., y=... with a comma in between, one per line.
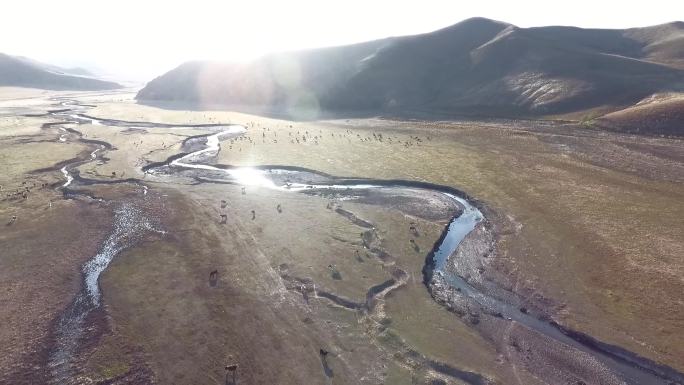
x=475, y=67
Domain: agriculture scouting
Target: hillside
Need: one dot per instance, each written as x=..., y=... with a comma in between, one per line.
x=78, y=71
x=475, y=67
x=660, y=113
x=23, y=72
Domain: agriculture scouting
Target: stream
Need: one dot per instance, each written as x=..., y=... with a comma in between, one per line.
x=199, y=163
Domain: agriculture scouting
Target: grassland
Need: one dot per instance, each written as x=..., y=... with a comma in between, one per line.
x=589, y=228
x=577, y=202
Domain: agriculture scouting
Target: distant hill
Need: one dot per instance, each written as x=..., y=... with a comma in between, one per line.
x=19, y=71
x=476, y=67
x=660, y=113
x=56, y=69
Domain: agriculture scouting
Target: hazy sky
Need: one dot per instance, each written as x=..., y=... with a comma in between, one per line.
x=143, y=38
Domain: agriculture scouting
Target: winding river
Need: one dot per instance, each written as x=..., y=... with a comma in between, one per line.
x=199, y=163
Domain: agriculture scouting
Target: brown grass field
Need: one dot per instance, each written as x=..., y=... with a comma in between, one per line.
x=589, y=223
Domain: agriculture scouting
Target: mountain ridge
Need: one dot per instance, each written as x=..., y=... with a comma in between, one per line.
x=18, y=71
x=475, y=67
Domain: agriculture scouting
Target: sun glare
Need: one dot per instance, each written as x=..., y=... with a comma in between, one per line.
x=161, y=35
x=249, y=176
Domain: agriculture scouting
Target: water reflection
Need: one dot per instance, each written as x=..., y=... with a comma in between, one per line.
x=249, y=176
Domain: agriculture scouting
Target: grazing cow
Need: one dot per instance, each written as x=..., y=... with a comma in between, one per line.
x=279, y=208
x=232, y=371
x=324, y=360
x=224, y=219
x=334, y=273
x=414, y=229
x=305, y=293
x=416, y=248
x=253, y=215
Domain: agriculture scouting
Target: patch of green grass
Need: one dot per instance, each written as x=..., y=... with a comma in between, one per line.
x=113, y=370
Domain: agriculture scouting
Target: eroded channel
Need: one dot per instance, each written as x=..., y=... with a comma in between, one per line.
x=198, y=163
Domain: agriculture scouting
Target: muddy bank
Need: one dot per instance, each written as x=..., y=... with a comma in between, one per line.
x=131, y=225
x=529, y=338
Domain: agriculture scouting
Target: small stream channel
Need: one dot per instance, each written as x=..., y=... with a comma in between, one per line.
x=199, y=164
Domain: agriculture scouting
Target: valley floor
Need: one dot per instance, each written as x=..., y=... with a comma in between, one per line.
x=587, y=229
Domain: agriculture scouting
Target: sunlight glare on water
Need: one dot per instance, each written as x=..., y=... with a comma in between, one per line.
x=251, y=177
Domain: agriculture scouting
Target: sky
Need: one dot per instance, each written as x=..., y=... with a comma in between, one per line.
x=141, y=39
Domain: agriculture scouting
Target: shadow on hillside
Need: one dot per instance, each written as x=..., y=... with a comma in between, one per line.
x=472, y=115
x=274, y=113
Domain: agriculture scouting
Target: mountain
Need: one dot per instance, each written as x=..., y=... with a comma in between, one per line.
x=476, y=67
x=659, y=113
x=19, y=71
x=78, y=71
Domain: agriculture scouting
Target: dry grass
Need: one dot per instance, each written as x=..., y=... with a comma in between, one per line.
x=590, y=221
x=132, y=151
x=577, y=214
x=659, y=114
x=43, y=249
